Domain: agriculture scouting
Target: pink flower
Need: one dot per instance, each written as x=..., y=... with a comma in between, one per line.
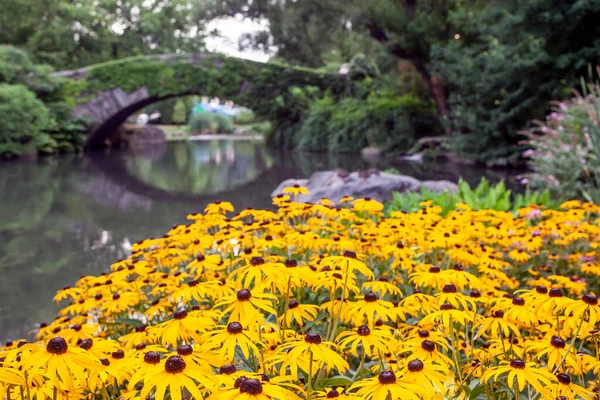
x=534, y=214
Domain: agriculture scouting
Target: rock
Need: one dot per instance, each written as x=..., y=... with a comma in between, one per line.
x=146, y=140
x=372, y=183
x=440, y=186
x=370, y=153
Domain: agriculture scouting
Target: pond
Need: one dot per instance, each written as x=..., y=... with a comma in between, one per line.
x=69, y=216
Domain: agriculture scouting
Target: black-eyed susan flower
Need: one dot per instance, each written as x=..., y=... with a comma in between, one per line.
x=313, y=346
x=520, y=374
x=386, y=386
x=298, y=312
x=245, y=306
x=183, y=327
x=228, y=338
x=176, y=375
x=369, y=339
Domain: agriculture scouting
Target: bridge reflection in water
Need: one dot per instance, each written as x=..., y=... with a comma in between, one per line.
x=70, y=216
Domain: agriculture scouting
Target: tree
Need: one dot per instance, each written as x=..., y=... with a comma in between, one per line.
x=519, y=55
x=74, y=33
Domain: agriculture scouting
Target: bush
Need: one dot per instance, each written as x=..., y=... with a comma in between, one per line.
x=383, y=119
x=179, y=113
x=23, y=119
x=565, y=148
x=210, y=123
x=244, y=117
x=483, y=197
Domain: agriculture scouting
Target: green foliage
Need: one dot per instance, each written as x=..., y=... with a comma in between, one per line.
x=519, y=55
x=59, y=130
x=244, y=117
x=383, y=119
x=68, y=34
x=180, y=113
x=23, y=119
x=565, y=148
x=485, y=196
x=206, y=122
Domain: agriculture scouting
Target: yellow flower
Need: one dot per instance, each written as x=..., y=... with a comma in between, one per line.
x=175, y=374
x=520, y=374
x=314, y=346
x=246, y=304
x=298, y=312
x=295, y=190
x=368, y=338
x=183, y=327
x=386, y=386
x=228, y=338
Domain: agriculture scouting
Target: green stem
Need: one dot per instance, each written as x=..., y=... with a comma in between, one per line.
x=27, y=386
x=362, y=362
x=570, y=345
x=310, y=367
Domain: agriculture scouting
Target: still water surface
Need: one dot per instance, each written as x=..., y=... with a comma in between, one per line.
x=64, y=217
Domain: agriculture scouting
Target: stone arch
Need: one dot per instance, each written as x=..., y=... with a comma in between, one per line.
x=108, y=93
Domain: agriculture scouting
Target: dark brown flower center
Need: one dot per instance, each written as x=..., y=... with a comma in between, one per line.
x=387, y=378
x=293, y=304
x=291, y=263
x=174, y=365
x=235, y=328
x=185, y=350
x=556, y=292
x=141, y=346
x=256, y=261
x=449, y=289
x=86, y=344
x=423, y=333
x=541, y=289
x=244, y=295
x=251, y=386
x=57, y=346
x=518, y=301
x=475, y=294
x=498, y=314
x=181, y=314
x=333, y=394
x=313, y=338
x=370, y=297
x=105, y=362
x=557, y=342
x=227, y=369
x=416, y=366
x=200, y=257
x=517, y=364
x=363, y=330
x=193, y=283
x=590, y=299
x=434, y=270
x=152, y=357
x=446, y=307
x=118, y=355
x=563, y=378
x=349, y=254
x=428, y=345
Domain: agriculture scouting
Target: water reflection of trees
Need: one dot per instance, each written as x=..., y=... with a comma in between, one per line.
x=202, y=168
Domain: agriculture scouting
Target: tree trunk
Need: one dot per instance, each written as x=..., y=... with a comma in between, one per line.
x=436, y=85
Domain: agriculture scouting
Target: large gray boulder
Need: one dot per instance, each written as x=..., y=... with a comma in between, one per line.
x=373, y=184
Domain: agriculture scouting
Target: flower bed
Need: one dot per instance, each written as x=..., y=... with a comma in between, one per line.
x=313, y=301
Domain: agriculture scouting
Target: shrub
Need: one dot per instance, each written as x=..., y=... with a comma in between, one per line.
x=23, y=119
x=244, y=117
x=483, y=197
x=565, y=148
x=179, y=113
x=383, y=118
x=210, y=122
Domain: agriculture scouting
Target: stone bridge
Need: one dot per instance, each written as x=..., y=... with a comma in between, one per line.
x=107, y=94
